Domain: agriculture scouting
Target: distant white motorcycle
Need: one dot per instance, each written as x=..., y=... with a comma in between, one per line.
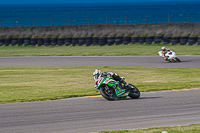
x=170, y=56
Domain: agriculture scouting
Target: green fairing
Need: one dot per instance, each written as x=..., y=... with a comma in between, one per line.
x=111, y=83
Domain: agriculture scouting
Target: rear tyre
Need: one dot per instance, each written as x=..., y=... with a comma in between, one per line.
x=108, y=93
x=134, y=92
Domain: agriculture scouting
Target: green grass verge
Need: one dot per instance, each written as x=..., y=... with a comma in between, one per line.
x=115, y=50
x=24, y=84
x=193, y=128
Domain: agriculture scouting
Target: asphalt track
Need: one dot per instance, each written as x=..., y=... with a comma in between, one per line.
x=154, y=61
x=91, y=114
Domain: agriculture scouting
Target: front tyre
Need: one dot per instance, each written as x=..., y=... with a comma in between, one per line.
x=108, y=93
x=134, y=92
x=177, y=59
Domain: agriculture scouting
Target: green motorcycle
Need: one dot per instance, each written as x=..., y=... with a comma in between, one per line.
x=111, y=89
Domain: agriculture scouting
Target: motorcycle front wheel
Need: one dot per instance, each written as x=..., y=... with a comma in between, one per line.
x=134, y=92
x=177, y=59
x=108, y=93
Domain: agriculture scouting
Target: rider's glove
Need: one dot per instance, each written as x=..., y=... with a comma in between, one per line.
x=95, y=86
x=110, y=73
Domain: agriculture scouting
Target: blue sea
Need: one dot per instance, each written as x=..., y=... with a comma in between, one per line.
x=99, y=13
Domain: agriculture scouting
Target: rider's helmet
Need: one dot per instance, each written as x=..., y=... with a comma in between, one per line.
x=163, y=48
x=96, y=73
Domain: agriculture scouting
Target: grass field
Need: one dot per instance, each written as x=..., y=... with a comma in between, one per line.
x=96, y=50
x=193, y=128
x=24, y=84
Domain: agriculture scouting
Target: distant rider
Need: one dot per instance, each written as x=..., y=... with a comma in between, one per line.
x=164, y=51
x=97, y=74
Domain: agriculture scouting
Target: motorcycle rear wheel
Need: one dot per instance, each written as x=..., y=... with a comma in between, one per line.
x=134, y=92
x=108, y=93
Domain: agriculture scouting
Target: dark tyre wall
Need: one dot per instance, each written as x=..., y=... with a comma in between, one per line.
x=61, y=41
x=134, y=40
x=95, y=41
x=102, y=41
x=158, y=39
x=47, y=41
x=27, y=41
x=88, y=41
x=110, y=40
x=81, y=41
x=7, y=41
x=183, y=40
x=142, y=40
x=2, y=42
x=198, y=40
x=118, y=40
x=54, y=41
x=14, y=41
x=40, y=41
x=126, y=40
x=149, y=39
x=68, y=41
x=98, y=41
x=74, y=41
x=33, y=41
x=175, y=40
x=166, y=40
x=192, y=40
x=20, y=41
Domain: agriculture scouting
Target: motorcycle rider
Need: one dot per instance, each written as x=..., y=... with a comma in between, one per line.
x=164, y=51
x=97, y=74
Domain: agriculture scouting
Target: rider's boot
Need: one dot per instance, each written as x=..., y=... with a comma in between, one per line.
x=125, y=83
x=167, y=60
x=116, y=77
